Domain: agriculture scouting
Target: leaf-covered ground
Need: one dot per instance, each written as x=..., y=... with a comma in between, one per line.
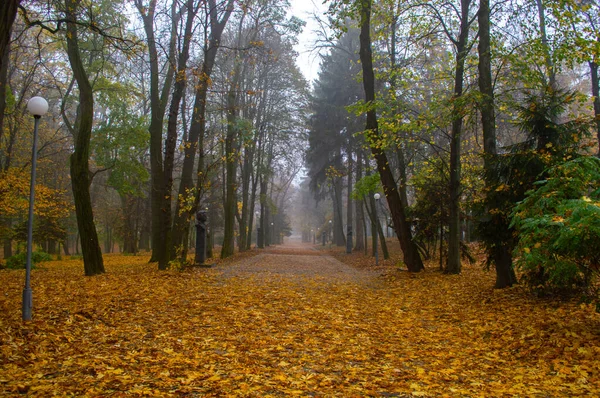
x=289, y=323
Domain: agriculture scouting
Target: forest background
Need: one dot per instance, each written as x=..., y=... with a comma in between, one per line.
x=477, y=121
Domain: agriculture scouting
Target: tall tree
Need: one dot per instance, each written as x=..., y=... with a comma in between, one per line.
x=217, y=20
x=160, y=200
x=412, y=258
x=332, y=126
x=462, y=48
x=8, y=13
x=81, y=177
x=500, y=252
x=168, y=251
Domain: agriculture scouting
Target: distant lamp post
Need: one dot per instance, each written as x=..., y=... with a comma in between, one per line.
x=38, y=107
x=272, y=234
x=330, y=233
x=310, y=237
x=377, y=196
x=258, y=238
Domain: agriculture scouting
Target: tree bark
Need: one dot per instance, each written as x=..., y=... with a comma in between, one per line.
x=548, y=58
x=349, y=207
x=4, y=60
x=488, y=113
x=80, y=172
x=231, y=157
x=359, y=244
x=412, y=258
x=501, y=256
x=129, y=228
x=160, y=199
x=454, y=264
x=338, y=220
x=8, y=13
x=596, y=95
x=171, y=139
x=195, y=142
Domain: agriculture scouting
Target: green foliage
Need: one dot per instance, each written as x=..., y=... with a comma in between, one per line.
x=120, y=143
x=511, y=174
x=332, y=124
x=367, y=186
x=430, y=210
x=44, y=229
x=18, y=261
x=559, y=227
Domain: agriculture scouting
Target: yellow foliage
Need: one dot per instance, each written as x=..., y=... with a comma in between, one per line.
x=14, y=197
x=137, y=331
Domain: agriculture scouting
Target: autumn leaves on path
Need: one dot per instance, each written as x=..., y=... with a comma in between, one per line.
x=295, y=262
x=285, y=322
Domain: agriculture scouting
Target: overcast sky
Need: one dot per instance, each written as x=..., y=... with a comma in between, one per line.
x=307, y=61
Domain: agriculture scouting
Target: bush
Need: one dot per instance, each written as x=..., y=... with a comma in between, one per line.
x=559, y=227
x=18, y=261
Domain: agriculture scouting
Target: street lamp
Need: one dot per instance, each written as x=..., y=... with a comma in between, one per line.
x=272, y=235
x=38, y=107
x=330, y=233
x=377, y=196
x=258, y=240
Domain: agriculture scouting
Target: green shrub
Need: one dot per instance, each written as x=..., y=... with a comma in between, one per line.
x=558, y=226
x=18, y=261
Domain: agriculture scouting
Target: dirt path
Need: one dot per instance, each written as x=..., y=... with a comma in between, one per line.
x=297, y=261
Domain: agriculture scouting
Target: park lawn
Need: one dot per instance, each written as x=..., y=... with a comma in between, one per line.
x=137, y=331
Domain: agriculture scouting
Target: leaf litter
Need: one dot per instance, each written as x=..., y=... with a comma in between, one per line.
x=289, y=323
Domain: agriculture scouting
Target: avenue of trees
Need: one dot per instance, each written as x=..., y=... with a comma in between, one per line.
x=476, y=120
x=463, y=110
x=159, y=109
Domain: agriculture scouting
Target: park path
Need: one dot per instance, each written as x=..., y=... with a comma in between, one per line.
x=296, y=261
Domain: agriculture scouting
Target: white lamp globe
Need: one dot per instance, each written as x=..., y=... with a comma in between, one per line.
x=37, y=106
x=377, y=196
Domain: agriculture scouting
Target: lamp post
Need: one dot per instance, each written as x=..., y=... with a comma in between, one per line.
x=258, y=238
x=330, y=233
x=38, y=107
x=272, y=235
x=349, y=239
x=312, y=233
x=377, y=196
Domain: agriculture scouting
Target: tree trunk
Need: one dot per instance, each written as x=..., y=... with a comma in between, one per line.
x=197, y=131
x=454, y=265
x=51, y=246
x=4, y=60
x=107, y=242
x=144, y=225
x=171, y=139
x=505, y=274
x=359, y=244
x=501, y=255
x=550, y=70
x=349, y=207
x=8, y=13
x=488, y=114
x=129, y=230
x=384, y=248
x=80, y=172
x=65, y=245
x=412, y=258
x=231, y=157
x=338, y=228
x=160, y=199
x=393, y=80
x=596, y=96
x=245, y=222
